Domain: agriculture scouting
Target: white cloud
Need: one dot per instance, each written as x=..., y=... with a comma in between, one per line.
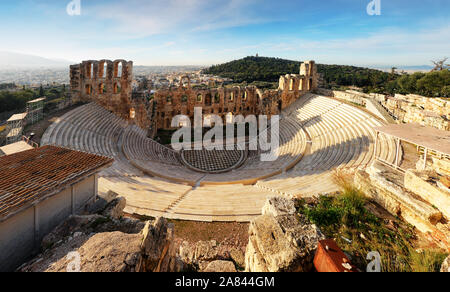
x=140, y=18
x=390, y=46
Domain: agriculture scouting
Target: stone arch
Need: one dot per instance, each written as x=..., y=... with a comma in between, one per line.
x=89, y=68
x=88, y=89
x=208, y=99
x=217, y=97
x=119, y=67
x=182, y=78
x=102, y=68
x=101, y=88
x=231, y=96
x=117, y=88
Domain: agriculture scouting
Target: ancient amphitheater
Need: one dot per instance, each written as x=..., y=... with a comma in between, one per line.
x=318, y=135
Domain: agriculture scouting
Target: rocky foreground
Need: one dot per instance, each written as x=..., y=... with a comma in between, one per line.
x=280, y=240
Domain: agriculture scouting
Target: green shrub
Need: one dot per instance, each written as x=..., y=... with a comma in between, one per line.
x=345, y=218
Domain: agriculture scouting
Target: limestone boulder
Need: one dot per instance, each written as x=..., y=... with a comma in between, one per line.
x=427, y=188
x=446, y=266
x=283, y=243
x=150, y=250
x=220, y=267
x=278, y=206
x=196, y=254
x=158, y=248
x=104, y=252
x=238, y=257
x=114, y=209
x=71, y=225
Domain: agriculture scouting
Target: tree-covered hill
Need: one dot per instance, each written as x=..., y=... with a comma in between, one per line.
x=252, y=69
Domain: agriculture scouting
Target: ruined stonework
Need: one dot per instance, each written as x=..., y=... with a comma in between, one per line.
x=281, y=240
x=228, y=102
x=109, y=83
x=411, y=108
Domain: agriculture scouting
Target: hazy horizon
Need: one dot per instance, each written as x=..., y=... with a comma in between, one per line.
x=11, y=57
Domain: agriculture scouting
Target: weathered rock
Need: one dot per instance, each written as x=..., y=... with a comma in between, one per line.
x=220, y=267
x=102, y=201
x=278, y=206
x=446, y=266
x=238, y=257
x=115, y=208
x=202, y=251
x=420, y=184
x=286, y=243
x=106, y=252
x=156, y=247
x=150, y=250
x=66, y=228
x=386, y=189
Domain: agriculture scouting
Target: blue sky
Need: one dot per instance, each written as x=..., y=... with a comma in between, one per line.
x=203, y=32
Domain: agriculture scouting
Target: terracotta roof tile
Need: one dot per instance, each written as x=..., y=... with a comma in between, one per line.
x=28, y=176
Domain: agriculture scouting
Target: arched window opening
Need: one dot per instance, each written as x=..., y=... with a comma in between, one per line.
x=184, y=98
x=90, y=70
x=101, y=88
x=118, y=68
x=102, y=69
x=208, y=99
x=117, y=88
x=199, y=98
x=217, y=98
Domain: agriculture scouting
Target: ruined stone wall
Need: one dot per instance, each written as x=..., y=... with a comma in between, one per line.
x=237, y=100
x=219, y=101
x=432, y=112
x=109, y=84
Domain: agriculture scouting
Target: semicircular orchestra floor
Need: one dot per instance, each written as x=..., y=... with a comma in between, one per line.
x=317, y=136
x=213, y=161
